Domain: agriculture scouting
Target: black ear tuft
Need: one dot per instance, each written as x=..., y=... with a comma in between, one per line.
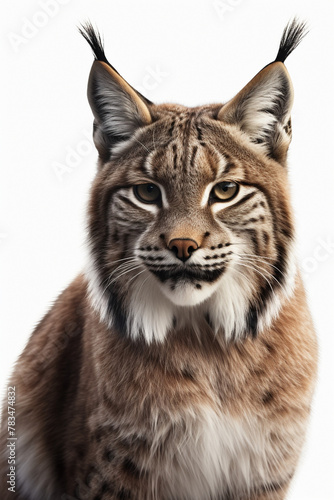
x=119, y=110
x=293, y=34
x=95, y=41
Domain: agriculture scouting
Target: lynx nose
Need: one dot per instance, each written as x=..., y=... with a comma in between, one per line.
x=182, y=247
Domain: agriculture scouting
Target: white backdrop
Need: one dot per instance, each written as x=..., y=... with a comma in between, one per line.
x=184, y=51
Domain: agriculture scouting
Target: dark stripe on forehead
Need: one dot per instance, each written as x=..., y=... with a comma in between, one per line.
x=193, y=154
x=171, y=128
x=215, y=158
x=199, y=133
x=211, y=161
x=228, y=167
x=174, y=148
x=185, y=149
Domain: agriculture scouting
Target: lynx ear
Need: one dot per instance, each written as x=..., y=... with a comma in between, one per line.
x=117, y=107
x=262, y=108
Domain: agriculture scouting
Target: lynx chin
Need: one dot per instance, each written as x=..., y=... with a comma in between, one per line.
x=181, y=364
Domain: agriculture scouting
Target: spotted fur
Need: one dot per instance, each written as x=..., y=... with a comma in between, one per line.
x=181, y=363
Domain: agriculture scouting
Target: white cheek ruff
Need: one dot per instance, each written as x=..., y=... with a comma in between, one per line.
x=96, y=296
x=274, y=304
x=152, y=307
x=228, y=307
x=150, y=314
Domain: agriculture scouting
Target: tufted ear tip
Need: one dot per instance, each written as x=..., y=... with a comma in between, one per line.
x=262, y=108
x=292, y=35
x=117, y=107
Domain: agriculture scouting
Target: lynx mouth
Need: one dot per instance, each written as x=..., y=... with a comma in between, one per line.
x=188, y=275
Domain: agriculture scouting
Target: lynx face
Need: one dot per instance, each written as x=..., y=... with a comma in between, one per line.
x=190, y=218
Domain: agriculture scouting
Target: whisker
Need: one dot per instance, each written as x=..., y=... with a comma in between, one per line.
x=256, y=259
x=257, y=256
x=136, y=275
x=122, y=274
x=125, y=258
x=249, y=261
x=244, y=276
x=143, y=283
x=121, y=267
x=257, y=271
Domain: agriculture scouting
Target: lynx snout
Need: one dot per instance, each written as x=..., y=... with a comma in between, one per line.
x=183, y=248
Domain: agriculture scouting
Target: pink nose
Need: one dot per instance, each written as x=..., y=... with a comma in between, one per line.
x=182, y=247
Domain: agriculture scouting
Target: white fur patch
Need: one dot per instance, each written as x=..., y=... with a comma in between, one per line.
x=95, y=293
x=206, y=194
x=149, y=312
x=274, y=304
x=186, y=294
x=152, y=306
x=218, y=452
x=228, y=307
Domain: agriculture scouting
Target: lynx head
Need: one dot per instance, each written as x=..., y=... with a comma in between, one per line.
x=190, y=221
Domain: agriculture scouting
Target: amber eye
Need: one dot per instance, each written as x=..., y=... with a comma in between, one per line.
x=147, y=193
x=224, y=191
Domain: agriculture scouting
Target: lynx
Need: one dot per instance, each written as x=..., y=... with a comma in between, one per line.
x=181, y=364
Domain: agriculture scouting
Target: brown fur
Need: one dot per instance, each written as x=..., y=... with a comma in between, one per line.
x=271, y=377
x=106, y=412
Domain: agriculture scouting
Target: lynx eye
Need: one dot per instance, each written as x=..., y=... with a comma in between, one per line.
x=224, y=191
x=147, y=193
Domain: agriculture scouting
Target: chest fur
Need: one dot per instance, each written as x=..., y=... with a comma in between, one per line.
x=208, y=417
x=215, y=453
